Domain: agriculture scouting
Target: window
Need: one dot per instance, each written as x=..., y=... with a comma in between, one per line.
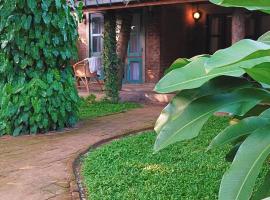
x=96, y=31
x=219, y=32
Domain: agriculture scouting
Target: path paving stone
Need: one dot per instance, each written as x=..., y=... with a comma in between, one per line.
x=40, y=167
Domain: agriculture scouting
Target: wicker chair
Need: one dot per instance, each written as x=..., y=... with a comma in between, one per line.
x=83, y=75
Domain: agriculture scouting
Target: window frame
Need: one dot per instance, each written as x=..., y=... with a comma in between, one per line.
x=92, y=35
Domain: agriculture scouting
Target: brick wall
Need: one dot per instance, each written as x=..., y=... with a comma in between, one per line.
x=152, y=45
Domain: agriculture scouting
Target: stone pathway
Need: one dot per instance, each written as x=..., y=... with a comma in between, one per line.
x=40, y=167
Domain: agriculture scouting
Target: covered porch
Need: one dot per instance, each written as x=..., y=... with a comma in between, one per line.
x=163, y=31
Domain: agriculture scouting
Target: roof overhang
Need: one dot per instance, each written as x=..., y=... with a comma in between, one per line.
x=103, y=5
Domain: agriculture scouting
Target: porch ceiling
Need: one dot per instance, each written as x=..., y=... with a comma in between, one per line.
x=137, y=4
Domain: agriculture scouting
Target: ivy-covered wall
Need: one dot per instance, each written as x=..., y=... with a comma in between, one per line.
x=38, y=41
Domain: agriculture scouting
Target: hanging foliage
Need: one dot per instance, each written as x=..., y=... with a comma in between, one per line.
x=38, y=40
x=110, y=58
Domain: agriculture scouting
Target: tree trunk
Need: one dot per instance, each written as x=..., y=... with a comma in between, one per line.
x=125, y=18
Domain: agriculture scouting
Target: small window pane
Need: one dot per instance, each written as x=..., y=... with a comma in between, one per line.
x=97, y=46
x=96, y=25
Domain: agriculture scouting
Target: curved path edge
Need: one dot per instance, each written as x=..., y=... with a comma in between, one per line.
x=75, y=165
x=41, y=167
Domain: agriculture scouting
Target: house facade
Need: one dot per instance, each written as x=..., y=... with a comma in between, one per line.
x=164, y=30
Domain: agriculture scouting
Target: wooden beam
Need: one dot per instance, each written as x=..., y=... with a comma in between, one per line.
x=138, y=5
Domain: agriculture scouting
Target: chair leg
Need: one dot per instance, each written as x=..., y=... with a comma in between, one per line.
x=77, y=83
x=87, y=85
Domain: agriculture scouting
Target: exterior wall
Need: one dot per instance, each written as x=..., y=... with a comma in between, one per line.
x=83, y=43
x=152, y=43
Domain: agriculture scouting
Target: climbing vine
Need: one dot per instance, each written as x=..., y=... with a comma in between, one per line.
x=110, y=58
x=38, y=41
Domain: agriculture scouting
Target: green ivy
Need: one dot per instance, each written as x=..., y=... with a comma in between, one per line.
x=38, y=41
x=110, y=58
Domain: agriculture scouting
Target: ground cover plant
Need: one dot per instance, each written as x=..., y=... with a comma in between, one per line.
x=128, y=169
x=90, y=108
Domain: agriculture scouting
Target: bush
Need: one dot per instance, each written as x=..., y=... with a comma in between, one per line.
x=38, y=40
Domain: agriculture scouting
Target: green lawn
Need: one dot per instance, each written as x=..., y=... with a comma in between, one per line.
x=89, y=108
x=127, y=169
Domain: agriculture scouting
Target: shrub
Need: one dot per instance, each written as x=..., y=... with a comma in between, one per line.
x=38, y=40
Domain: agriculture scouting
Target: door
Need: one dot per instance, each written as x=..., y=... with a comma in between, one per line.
x=133, y=72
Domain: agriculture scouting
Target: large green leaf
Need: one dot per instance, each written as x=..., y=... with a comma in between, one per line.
x=193, y=75
x=191, y=120
x=244, y=127
x=243, y=50
x=238, y=182
x=263, y=5
x=179, y=63
x=184, y=98
x=265, y=38
x=260, y=73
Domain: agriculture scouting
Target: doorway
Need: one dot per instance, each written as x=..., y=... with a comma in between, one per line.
x=134, y=70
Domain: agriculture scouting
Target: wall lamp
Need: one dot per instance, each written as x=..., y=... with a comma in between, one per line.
x=197, y=15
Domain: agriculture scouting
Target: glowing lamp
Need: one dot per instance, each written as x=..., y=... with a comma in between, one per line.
x=197, y=15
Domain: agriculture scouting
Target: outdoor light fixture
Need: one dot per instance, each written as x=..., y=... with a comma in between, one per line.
x=197, y=14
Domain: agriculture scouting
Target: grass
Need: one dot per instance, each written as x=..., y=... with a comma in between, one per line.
x=127, y=169
x=89, y=108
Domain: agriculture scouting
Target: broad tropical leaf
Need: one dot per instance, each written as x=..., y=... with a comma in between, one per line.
x=265, y=38
x=238, y=182
x=243, y=50
x=190, y=122
x=244, y=127
x=266, y=113
x=260, y=73
x=179, y=63
x=193, y=75
x=184, y=98
x=262, y=5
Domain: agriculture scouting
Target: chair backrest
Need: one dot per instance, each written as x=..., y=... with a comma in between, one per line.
x=81, y=69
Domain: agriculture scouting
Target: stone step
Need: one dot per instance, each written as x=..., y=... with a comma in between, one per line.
x=145, y=97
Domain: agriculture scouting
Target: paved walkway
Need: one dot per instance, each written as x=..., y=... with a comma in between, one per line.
x=40, y=167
